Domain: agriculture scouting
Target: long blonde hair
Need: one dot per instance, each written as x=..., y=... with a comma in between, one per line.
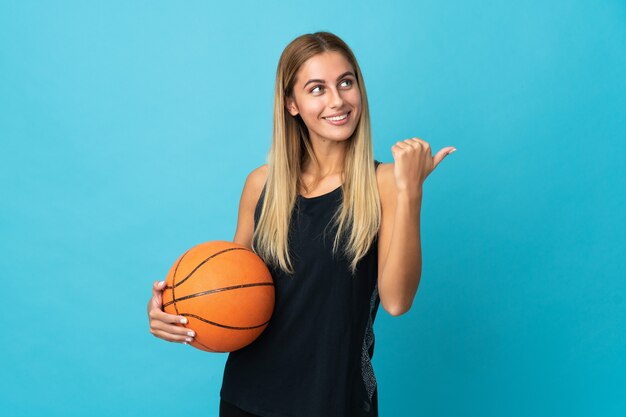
x=358, y=218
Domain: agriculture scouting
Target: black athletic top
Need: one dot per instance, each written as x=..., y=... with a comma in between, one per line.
x=314, y=357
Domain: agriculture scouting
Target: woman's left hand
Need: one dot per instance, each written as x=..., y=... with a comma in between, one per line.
x=414, y=162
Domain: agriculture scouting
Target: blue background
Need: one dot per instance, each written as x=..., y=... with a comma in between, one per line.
x=128, y=128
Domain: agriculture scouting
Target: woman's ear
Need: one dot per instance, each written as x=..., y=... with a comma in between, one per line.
x=290, y=105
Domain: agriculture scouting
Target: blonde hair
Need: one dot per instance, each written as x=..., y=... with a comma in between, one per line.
x=358, y=217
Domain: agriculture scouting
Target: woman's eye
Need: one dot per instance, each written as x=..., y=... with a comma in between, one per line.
x=319, y=86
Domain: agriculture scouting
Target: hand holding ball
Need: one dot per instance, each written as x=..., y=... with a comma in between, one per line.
x=225, y=291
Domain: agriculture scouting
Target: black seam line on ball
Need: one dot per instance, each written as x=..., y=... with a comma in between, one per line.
x=203, y=262
x=167, y=287
x=174, y=278
x=223, y=325
x=203, y=345
x=234, y=287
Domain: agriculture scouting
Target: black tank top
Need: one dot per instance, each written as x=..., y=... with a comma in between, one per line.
x=314, y=359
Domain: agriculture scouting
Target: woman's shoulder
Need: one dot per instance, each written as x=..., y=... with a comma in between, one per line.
x=384, y=173
x=259, y=174
x=261, y=170
x=249, y=199
x=256, y=180
x=386, y=182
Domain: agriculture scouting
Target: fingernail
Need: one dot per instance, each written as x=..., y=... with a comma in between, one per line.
x=192, y=334
x=185, y=343
x=183, y=320
x=162, y=282
x=453, y=150
x=189, y=339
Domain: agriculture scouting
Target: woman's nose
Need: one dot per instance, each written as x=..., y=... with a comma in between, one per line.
x=335, y=99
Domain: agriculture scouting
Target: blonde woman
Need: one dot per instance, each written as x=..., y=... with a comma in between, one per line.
x=340, y=233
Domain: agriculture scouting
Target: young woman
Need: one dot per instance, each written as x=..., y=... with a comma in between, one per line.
x=340, y=233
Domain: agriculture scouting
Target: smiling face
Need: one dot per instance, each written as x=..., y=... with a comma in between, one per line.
x=326, y=86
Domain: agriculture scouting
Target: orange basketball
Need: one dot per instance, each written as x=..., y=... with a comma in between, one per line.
x=225, y=291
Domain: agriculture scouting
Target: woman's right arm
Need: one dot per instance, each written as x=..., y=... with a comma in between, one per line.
x=162, y=324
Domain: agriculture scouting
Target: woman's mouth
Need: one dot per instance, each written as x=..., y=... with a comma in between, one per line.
x=338, y=120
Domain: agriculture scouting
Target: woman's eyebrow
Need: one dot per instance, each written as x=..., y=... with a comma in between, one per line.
x=317, y=80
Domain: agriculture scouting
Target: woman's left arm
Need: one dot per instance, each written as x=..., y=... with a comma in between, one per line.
x=399, y=250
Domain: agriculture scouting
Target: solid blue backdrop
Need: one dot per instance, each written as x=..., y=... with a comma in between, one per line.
x=128, y=128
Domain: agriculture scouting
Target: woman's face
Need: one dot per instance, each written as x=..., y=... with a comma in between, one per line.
x=326, y=86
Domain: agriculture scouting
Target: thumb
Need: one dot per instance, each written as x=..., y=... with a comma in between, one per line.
x=442, y=154
x=157, y=294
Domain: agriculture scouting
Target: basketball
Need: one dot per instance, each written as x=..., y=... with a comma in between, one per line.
x=225, y=291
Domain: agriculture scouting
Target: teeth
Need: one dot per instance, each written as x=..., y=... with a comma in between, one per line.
x=337, y=118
